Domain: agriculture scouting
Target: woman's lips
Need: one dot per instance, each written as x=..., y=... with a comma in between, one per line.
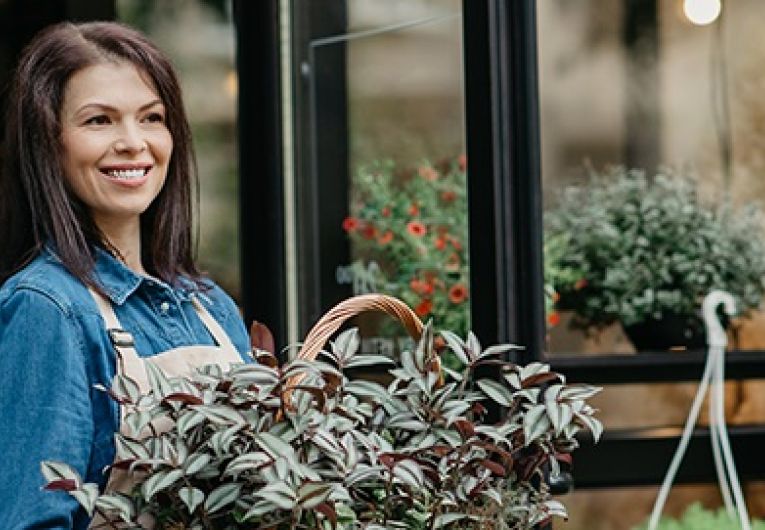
x=128, y=175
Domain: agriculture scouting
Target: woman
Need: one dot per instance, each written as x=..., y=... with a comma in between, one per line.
x=95, y=233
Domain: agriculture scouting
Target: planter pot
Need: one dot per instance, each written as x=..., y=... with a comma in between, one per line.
x=671, y=333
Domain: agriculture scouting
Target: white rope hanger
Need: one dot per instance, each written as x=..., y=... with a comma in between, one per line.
x=714, y=372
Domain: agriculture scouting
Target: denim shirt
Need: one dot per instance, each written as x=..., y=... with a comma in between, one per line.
x=54, y=349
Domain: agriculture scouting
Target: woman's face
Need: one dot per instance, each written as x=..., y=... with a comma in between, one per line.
x=116, y=144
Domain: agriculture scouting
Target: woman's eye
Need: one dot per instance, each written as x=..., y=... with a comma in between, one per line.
x=101, y=119
x=155, y=117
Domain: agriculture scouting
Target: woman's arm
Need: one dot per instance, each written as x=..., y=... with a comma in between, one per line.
x=45, y=409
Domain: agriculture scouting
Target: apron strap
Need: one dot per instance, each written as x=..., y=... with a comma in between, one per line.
x=129, y=362
x=212, y=325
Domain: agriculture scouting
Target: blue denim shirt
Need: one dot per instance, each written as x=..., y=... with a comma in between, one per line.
x=53, y=350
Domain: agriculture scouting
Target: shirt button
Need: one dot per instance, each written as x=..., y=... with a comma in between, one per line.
x=164, y=307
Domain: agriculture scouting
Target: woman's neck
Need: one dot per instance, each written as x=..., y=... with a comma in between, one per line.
x=125, y=237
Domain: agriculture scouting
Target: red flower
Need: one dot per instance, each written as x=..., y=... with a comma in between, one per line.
x=386, y=238
x=420, y=287
x=350, y=224
x=440, y=243
x=414, y=209
x=416, y=228
x=448, y=195
x=580, y=284
x=386, y=211
x=458, y=293
x=553, y=319
x=462, y=162
x=424, y=308
x=428, y=173
x=369, y=231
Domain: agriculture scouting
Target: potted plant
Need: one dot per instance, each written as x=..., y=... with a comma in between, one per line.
x=646, y=251
x=696, y=517
x=304, y=446
x=410, y=226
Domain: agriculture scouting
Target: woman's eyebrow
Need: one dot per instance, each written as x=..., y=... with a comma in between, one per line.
x=110, y=108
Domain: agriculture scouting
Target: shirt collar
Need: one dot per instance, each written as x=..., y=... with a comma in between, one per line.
x=119, y=282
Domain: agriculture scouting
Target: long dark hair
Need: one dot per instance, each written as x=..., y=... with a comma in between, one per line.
x=35, y=206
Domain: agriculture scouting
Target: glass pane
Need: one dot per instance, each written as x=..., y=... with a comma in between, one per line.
x=652, y=142
x=406, y=222
x=198, y=36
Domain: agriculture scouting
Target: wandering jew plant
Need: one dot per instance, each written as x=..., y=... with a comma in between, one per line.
x=304, y=445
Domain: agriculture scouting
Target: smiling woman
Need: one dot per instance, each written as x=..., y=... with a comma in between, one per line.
x=96, y=264
x=116, y=149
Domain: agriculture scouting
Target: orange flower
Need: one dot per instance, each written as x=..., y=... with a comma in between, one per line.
x=386, y=238
x=448, y=195
x=462, y=162
x=386, y=211
x=416, y=228
x=350, y=224
x=414, y=209
x=458, y=293
x=440, y=243
x=428, y=173
x=553, y=319
x=580, y=284
x=424, y=308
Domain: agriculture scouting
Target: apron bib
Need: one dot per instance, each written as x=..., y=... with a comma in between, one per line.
x=176, y=362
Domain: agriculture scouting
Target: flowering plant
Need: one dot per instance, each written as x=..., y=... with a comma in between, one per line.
x=626, y=248
x=413, y=225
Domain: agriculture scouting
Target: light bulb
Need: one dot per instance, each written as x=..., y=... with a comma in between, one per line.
x=702, y=12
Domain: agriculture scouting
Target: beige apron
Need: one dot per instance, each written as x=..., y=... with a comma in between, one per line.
x=176, y=362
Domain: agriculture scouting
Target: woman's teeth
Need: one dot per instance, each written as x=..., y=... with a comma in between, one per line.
x=126, y=174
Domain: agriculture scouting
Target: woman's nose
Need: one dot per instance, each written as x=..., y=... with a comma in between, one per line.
x=130, y=140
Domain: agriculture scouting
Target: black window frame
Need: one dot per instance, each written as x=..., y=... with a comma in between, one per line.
x=505, y=214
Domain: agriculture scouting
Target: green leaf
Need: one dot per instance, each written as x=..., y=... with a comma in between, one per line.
x=222, y=496
x=275, y=446
x=117, y=502
x=188, y=420
x=496, y=391
x=191, y=497
x=125, y=389
x=221, y=414
x=247, y=462
x=369, y=360
x=159, y=382
x=347, y=344
x=535, y=423
x=409, y=472
x=279, y=494
x=456, y=345
x=59, y=471
x=160, y=481
x=259, y=508
x=195, y=463
x=371, y=389
x=86, y=495
x=137, y=420
x=311, y=494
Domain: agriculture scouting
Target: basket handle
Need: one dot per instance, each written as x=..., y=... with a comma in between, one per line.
x=331, y=321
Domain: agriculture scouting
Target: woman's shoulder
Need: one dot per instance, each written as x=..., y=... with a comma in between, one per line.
x=46, y=278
